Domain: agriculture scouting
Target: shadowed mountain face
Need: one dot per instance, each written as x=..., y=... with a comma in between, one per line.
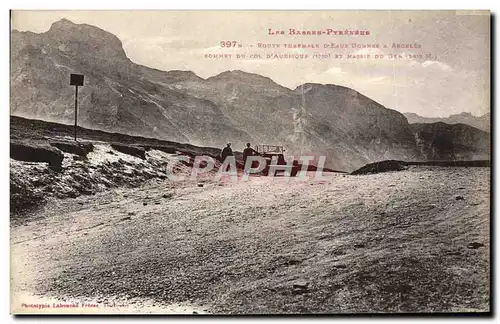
x=441, y=141
x=234, y=106
x=481, y=122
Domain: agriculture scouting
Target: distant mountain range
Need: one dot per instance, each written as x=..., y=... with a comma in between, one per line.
x=234, y=106
x=482, y=122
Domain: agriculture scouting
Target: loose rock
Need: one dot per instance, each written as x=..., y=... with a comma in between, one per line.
x=300, y=287
x=474, y=245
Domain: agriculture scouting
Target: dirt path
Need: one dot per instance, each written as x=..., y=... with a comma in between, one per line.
x=384, y=243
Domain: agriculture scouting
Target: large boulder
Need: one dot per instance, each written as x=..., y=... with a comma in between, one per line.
x=130, y=150
x=81, y=149
x=36, y=152
x=163, y=148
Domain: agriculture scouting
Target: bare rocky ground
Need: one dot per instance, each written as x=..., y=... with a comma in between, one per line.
x=416, y=240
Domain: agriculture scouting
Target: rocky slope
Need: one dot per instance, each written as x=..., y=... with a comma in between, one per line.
x=482, y=122
x=441, y=141
x=234, y=106
x=46, y=162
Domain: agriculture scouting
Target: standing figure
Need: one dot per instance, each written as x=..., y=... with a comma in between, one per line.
x=248, y=151
x=227, y=151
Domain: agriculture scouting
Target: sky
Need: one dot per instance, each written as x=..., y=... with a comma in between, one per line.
x=455, y=77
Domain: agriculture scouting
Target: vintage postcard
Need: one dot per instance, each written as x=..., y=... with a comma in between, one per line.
x=250, y=162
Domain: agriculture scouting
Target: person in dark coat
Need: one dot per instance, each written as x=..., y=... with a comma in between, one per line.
x=227, y=151
x=248, y=151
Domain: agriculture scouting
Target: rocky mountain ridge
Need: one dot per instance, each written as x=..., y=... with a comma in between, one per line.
x=233, y=106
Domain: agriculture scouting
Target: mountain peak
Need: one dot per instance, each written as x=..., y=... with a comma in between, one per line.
x=181, y=75
x=306, y=87
x=83, y=38
x=62, y=22
x=252, y=79
x=239, y=74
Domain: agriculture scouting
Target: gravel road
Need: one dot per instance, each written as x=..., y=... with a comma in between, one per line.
x=409, y=241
